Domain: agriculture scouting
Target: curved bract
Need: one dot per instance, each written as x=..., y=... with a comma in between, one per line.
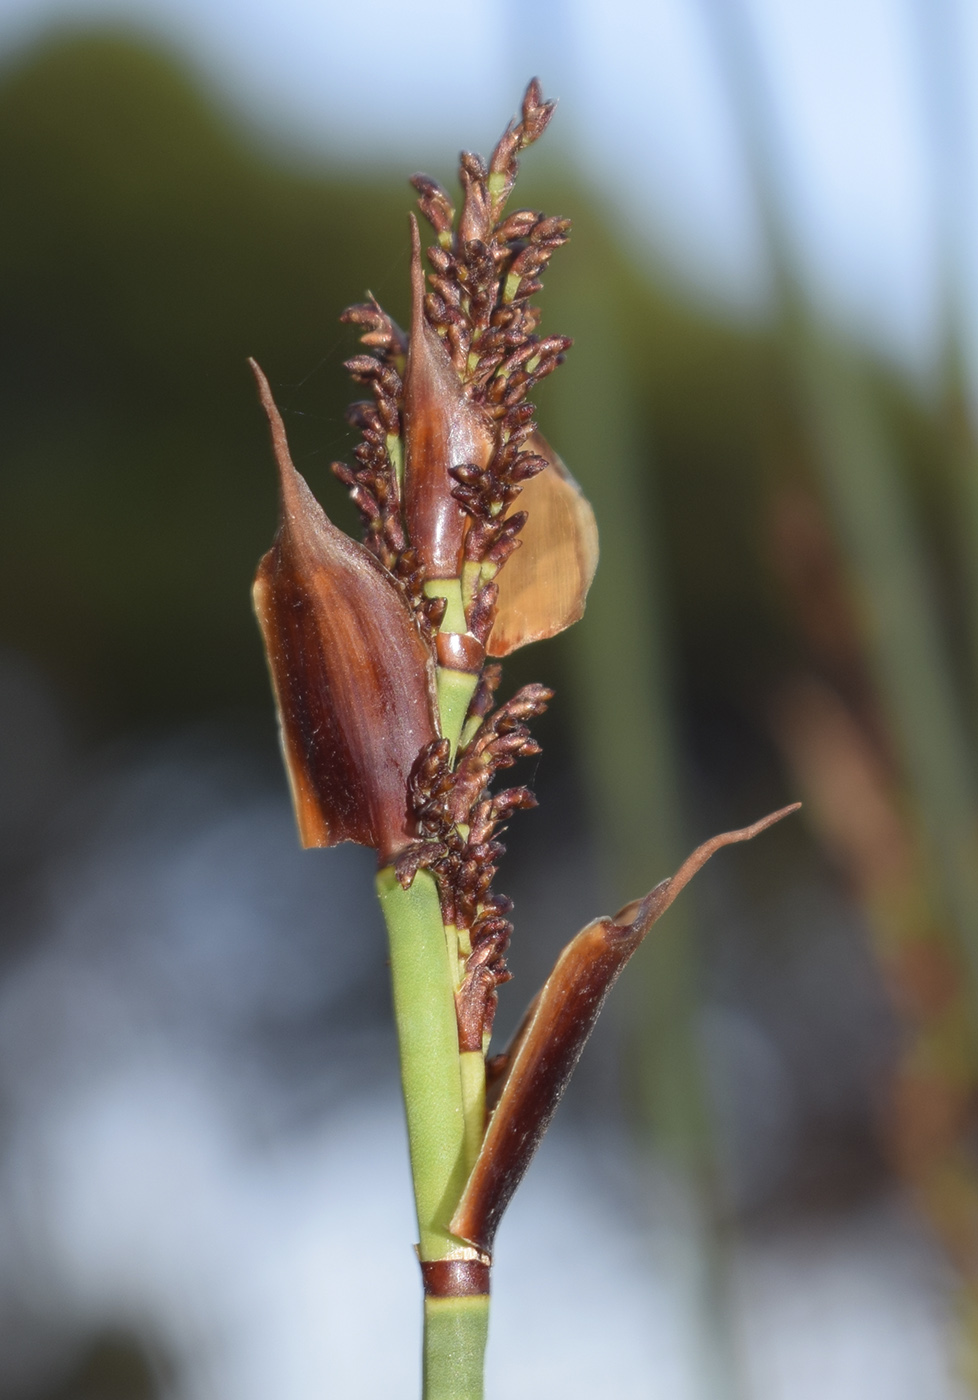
x=537, y=1067
x=353, y=678
x=545, y=583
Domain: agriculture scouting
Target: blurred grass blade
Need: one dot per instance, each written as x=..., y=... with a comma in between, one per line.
x=862, y=482
x=622, y=691
x=861, y=477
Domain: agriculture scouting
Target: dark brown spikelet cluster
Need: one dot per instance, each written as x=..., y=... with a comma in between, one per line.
x=459, y=818
x=373, y=483
x=486, y=267
x=484, y=273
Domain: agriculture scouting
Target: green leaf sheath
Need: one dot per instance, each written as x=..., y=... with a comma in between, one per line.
x=455, y=688
x=427, y=1032
x=455, y=691
x=455, y=1331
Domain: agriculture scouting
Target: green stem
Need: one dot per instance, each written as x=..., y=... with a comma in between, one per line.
x=455, y=691
x=451, y=590
x=427, y=1033
x=444, y=1097
x=455, y=1331
x=455, y=688
x=444, y=1091
x=473, y=1067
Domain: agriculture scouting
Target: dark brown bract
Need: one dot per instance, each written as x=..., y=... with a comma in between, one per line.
x=353, y=677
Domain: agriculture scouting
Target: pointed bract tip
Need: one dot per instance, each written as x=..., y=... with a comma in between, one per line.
x=772, y=817
x=417, y=277
x=265, y=396
x=288, y=476
x=644, y=913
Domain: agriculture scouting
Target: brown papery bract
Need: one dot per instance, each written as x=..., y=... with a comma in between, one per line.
x=353, y=678
x=537, y=1066
x=545, y=583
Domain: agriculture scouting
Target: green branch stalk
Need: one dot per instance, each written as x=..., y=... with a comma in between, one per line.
x=444, y=1097
x=455, y=1328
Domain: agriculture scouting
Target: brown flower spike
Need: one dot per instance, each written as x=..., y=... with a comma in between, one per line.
x=361, y=638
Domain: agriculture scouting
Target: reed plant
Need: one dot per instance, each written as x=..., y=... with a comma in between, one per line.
x=384, y=662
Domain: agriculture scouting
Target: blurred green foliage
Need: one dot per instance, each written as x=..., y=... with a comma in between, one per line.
x=147, y=250
x=111, y=1368
x=150, y=246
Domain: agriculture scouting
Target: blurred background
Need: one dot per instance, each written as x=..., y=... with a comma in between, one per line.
x=763, y=1183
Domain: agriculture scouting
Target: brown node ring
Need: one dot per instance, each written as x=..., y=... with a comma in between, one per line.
x=455, y=1278
x=460, y=651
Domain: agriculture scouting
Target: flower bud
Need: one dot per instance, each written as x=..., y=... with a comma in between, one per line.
x=353, y=678
x=544, y=585
x=442, y=429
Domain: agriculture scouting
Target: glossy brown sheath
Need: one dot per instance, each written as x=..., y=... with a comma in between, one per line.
x=353, y=678
x=548, y=1045
x=442, y=429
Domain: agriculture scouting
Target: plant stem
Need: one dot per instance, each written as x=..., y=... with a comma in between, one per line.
x=455, y=1331
x=445, y=1105
x=455, y=691
x=427, y=1033
x=444, y=1091
x=455, y=688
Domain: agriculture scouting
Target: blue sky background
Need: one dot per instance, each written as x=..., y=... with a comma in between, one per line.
x=871, y=110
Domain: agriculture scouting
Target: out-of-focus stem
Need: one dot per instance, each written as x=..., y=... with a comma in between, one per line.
x=455, y=1332
x=940, y=35
x=621, y=687
x=862, y=482
x=622, y=695
x=861, y=475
